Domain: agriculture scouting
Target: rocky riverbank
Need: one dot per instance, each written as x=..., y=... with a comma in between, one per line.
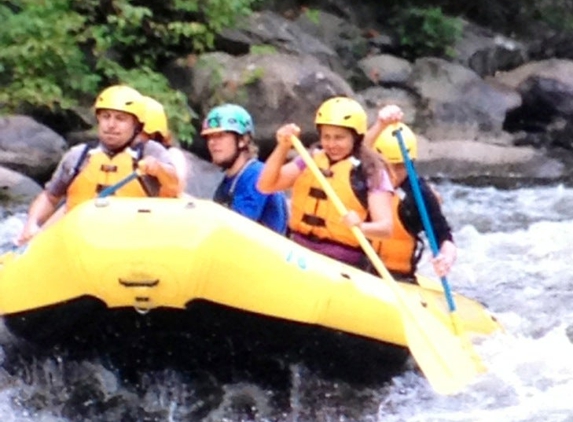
x=498, y=112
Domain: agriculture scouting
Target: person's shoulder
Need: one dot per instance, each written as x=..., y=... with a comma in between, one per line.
x=251, y=173
x=157, y=150
x=75, y=152
x=255, y=166
x=176, y=151
x=79, y=148
x=152, y=146
x=430, y=195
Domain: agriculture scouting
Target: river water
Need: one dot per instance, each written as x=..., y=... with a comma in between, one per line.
x=515, y=256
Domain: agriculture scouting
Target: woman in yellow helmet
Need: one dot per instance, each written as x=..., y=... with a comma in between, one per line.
x=358, y=176
x=155, y=127
x=402, y=251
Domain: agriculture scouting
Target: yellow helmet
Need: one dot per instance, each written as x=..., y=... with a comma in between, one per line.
x=121, y=98
x=155, y=117
x=342, y=111
x=386, y=144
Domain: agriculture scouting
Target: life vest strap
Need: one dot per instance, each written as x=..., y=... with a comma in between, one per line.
x=108, y=168
x=313, y=220
x=317, y=193
x=100, y=187
x=316, y=239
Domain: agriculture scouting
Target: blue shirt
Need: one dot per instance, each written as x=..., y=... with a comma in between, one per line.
x=240, y=193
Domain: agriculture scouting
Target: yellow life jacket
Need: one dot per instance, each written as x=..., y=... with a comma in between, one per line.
x=312, y=213
x=102, y=171
x=397, y=252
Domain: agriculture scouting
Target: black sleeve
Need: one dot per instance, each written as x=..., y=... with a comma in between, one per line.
x=410, y=216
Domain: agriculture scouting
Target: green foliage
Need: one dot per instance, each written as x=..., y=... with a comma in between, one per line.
x=427, y=32
x=263, y=49
x=557, y=13
x=42, y=64
x=56, y=53
x=252, y=75
x=313, y=15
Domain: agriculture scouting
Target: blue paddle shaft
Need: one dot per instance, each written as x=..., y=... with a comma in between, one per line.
x=110, y=190
x=413, y=176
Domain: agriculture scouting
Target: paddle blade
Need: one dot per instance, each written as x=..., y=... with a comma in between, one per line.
x=444, y=360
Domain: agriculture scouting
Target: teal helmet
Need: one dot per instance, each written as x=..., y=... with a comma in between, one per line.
x=228, y=118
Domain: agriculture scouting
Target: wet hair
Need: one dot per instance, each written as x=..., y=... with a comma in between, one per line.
x=163, y=140
x=372, y=163
x=251, y=148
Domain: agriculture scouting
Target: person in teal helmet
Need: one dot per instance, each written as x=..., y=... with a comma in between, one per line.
x=229, y=130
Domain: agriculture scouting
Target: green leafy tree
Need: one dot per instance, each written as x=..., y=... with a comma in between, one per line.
x=41, y=62
x=55, y=54
x=427, y=32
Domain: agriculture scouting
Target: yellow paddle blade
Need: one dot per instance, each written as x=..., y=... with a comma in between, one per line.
x=448, y=361
x=465, y=341
x=443, y=358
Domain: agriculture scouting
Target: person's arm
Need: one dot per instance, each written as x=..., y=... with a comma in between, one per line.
x=445, y=259
x=277, y=176
x=379, y=208
x=181, y=166
x=410, y=217
x=387, y=115
x=163, y=172
x=40, y=210
x=56, y=216
x=44, y=205
x=157, y=163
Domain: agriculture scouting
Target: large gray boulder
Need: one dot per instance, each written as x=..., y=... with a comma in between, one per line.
x=274, y=88
x=28, y=147
x=15, y=188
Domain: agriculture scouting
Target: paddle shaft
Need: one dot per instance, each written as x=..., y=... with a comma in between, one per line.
x=110, y=190
x=414, y=182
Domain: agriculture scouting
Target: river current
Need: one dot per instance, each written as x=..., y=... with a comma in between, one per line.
x=514, y=255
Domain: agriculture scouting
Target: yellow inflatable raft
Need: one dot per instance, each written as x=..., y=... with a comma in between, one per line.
x=158, y=256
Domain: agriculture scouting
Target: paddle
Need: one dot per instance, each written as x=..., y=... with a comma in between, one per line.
x=420, y=203
x=439, y=353
x=110, y=190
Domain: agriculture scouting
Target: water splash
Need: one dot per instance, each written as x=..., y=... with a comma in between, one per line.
x=515, y=255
